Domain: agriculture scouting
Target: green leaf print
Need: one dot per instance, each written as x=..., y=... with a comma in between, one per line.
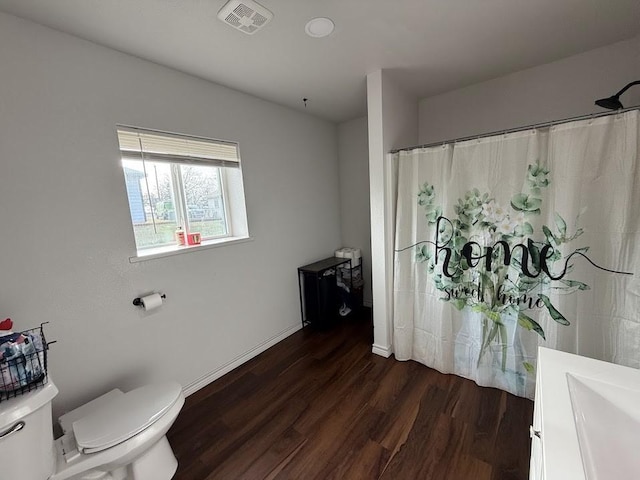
x=555, y=314
x=530, y=324
x=525, y=203
x=561, y=224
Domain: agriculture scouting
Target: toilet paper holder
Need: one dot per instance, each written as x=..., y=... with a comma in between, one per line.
x=138, y=301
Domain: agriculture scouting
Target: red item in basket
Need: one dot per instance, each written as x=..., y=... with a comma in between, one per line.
x=6, y=324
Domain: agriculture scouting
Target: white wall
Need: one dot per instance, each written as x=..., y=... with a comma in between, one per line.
x=353, y=155
x=557, y=90
x=392, y=123
x=66, y=232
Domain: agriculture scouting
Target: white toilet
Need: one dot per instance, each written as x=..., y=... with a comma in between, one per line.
x=118, y=436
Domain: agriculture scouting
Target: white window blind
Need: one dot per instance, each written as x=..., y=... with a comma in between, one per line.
x=137, y=144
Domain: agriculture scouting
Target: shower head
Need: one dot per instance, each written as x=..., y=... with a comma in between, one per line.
x=613, y=102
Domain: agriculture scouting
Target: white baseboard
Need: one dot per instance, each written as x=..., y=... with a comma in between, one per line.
x=206, y=379
x=385, y=351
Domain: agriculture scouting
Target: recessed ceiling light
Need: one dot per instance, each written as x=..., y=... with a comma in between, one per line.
x=319, y=27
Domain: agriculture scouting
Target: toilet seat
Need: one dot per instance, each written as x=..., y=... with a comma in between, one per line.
x=124, y=416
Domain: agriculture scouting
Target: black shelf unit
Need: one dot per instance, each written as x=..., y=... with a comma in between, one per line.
x=319, y=292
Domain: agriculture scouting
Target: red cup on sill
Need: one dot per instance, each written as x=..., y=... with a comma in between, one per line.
x=194, y=238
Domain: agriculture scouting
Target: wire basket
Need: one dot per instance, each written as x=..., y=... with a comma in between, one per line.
x=23, y=362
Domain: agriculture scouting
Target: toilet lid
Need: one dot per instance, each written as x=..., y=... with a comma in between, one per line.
x=125, y=416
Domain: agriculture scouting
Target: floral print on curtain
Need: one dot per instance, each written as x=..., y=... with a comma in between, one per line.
x=496, y=259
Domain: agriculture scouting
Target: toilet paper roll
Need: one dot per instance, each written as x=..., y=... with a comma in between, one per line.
x=354, y=254
x=151, y=302
x=357, y=257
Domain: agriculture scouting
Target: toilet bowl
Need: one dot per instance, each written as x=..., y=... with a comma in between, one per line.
x=118, y=436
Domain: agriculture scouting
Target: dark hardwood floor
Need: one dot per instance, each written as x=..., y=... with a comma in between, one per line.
x=320, y=405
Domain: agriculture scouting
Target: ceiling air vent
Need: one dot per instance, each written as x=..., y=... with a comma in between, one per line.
x=245, y=15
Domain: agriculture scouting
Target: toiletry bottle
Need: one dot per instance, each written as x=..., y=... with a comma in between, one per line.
x=180, y=237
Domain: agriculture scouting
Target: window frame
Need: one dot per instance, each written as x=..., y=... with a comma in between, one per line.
x=182, y=204
x=179, y=191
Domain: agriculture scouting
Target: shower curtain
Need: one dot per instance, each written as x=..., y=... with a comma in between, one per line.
x=517, y=240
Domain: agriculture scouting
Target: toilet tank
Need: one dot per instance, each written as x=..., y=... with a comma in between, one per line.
x=26, y=435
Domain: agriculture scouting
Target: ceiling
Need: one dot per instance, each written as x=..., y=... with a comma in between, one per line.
x=429, y=46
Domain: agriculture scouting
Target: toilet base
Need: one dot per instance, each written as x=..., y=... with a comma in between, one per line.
x=120, y=474
x=158, y=463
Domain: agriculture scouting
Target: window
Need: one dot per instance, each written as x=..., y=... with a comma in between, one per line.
x=179, y=182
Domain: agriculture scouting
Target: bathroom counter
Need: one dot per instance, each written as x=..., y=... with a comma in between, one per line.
x=556, y=445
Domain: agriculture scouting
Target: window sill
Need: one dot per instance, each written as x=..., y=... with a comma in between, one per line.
x=168, y=251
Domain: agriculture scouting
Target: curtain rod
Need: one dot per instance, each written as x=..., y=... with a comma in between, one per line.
x=518, y=129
